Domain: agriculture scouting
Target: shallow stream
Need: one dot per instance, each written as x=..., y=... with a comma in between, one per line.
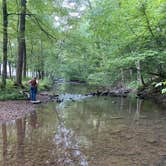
x=90, y=131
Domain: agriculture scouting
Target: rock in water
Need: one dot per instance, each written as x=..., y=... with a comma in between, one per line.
x=35, y=102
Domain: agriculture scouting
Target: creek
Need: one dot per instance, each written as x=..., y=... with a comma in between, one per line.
x=94, y=131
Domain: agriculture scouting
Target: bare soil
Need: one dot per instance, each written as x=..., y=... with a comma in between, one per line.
x=12, y=110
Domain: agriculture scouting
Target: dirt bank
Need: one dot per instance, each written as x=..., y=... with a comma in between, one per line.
x=12, y=110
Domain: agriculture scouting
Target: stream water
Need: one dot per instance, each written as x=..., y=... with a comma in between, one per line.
x=87, y=131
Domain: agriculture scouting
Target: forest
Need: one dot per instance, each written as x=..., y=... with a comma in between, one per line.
x=108, y=43
x=83, y=82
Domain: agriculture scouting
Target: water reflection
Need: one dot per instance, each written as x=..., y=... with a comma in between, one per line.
x=4, y=146
x=33, y=120
x=69, y=152
x=97, y=131
x=21, y=127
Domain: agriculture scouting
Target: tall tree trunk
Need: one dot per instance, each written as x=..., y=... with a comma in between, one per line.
x=42, y=61
x=0, y=69
x=24, y=61
x=21, y=43
x=10, y=69
x=5, y=38
x=42, y=74
x=11, y=55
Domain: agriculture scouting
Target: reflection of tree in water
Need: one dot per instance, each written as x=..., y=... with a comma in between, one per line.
x=33, y=120
x=135, y=125
x=4, y=139
x=68, y=145
x=20, y=124
x=138, y=109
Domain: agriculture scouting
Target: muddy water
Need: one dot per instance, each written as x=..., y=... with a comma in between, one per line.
x=96, y=131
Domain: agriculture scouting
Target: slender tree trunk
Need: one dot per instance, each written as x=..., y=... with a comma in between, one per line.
x=43, y=74
x=39, y=74
x=0, y=69
x=21, y=43
x=138, y=67
x=5, y=41
x=90, y=4
x=122, y=78
x=131, y=74
x=10, y=70
x=24, y=61
x=9, y=62
x=42, y=62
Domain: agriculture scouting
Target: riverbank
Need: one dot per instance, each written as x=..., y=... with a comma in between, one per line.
x=153, y=93
x=15, y=109
x=14, y=101
x=12, y=110
x=13, y=92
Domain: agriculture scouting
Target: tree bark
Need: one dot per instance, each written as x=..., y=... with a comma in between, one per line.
x=10, y=69
x=0, y=69
x=131, y=74
x=138, y=67
x=24, y=61
x=42, y=63
x=21, y=43
x=122, y=78
x=5, y=42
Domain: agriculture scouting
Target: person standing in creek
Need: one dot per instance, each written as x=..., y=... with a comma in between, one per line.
x=33, y=88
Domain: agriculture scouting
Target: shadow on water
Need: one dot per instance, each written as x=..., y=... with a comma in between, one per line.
x=96, y=131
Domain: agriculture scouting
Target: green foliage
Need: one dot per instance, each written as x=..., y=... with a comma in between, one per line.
x=45, y=84
x=133, y=85
x=11, y=92
x=107, y=38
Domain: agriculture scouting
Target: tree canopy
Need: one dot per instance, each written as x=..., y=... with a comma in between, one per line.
x=101, y=42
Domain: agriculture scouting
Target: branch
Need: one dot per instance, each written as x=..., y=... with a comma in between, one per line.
x=90, y=5
x=37, y=21
x=27, y=14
